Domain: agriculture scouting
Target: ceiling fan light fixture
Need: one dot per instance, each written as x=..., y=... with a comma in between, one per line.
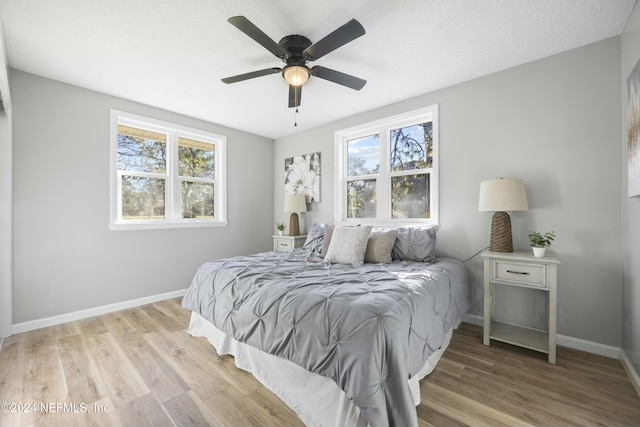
x=295, y=75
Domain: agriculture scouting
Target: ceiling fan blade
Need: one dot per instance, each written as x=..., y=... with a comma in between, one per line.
x=343, y=35
x=295, y=96
x=247, y=27
x=251, y=75
x=338, y=77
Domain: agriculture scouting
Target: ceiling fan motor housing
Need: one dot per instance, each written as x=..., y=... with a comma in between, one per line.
x=294, y=45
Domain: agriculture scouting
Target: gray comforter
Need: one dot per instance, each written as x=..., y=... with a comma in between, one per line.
x=369, y=328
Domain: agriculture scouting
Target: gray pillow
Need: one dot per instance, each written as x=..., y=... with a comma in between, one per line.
x=415, y=244
x=328, y=232
x=379, y=246
x=315, y=237
x=348, y=245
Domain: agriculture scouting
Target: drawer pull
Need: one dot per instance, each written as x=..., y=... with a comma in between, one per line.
x=525, y=273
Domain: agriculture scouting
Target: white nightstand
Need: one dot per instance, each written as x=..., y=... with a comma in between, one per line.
x=286, y=243
x=520, y=269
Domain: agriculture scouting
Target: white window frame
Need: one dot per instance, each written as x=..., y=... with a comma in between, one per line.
x=173, y=215
x=383, y=127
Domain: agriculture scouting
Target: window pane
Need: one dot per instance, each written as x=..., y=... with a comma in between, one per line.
x=411, y=147
x=410, y=196
x=363, y=155
x=197, y=200
x=141, y=151
x=142, y=198
x=361, y=199
x=196, y=158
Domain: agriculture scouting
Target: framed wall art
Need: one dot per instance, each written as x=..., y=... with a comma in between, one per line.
x=302, y=176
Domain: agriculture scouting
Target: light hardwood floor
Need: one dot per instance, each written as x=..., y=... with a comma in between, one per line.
x=138, y=367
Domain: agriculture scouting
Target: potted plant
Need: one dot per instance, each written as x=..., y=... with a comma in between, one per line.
x=540, y=242
x=280, y=227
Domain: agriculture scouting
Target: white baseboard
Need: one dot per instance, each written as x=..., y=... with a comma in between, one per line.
x=566, y=341
x=631, y=372
x=588, y=346
x=474, y=319
x=96, y=311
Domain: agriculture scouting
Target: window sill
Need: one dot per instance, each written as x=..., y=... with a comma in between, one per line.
x=165, y=225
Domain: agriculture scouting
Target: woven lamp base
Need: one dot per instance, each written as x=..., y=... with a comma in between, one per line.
x=294, y=225
x=501, y=233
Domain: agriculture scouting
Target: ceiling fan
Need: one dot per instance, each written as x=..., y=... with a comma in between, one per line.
x=295, y=51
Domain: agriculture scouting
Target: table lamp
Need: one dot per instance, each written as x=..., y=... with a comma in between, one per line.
x=500, y=196
x=294, y=203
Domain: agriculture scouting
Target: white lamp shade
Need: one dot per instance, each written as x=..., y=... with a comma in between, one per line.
x=295, y=203
x=502, y=195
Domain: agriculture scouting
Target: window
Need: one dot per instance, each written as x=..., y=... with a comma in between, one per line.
x=387, y=171
x=165, y=175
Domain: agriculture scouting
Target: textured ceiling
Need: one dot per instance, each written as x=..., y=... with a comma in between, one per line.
x=172, y=54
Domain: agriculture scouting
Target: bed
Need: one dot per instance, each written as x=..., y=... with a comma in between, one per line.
x=356, y=316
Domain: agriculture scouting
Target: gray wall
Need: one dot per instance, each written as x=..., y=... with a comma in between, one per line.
x=631, y=212
x=556, y=124
x=65, y=257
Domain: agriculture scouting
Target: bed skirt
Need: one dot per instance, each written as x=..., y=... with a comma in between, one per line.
x=296, y=386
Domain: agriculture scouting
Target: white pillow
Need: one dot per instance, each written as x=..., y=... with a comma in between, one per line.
x=348, y=245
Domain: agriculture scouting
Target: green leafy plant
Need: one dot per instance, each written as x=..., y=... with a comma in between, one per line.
x=539, y=240
x=280, y=226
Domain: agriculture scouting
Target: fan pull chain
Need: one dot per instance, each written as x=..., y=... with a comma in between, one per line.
x=295, y=119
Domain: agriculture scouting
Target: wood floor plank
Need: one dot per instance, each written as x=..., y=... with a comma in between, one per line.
x=198, y=377
x=145, y=411
x=161, y=379
x=221, y=367
x=185, y=412
x=543, y=405
x=168, y=323
x=275, y=411
x=170, y=308
x=578, y=401
x=464, y=408
x=83, y=378
x=44, y=384
x=92, y=326
x=205, y=411
x=431, y=417
x=141, y=320
x=103, y=413
x=236, y=410
x=13, y=368
x=478, y=386
x=118, y=324
x=121, y=378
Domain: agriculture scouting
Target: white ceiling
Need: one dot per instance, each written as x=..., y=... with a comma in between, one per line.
x=172, y=54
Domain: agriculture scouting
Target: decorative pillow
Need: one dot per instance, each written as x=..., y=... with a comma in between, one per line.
x=379, y=246
x=328, y=233
x=348, y=245
x=315, y=237
x=415, y=244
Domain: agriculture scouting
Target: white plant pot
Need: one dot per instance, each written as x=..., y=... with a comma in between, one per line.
x=538, y=252
x=279, y=232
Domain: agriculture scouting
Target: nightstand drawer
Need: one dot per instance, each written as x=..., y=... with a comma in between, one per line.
x=283, y=244
x=521, y=273
x=287, y=243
